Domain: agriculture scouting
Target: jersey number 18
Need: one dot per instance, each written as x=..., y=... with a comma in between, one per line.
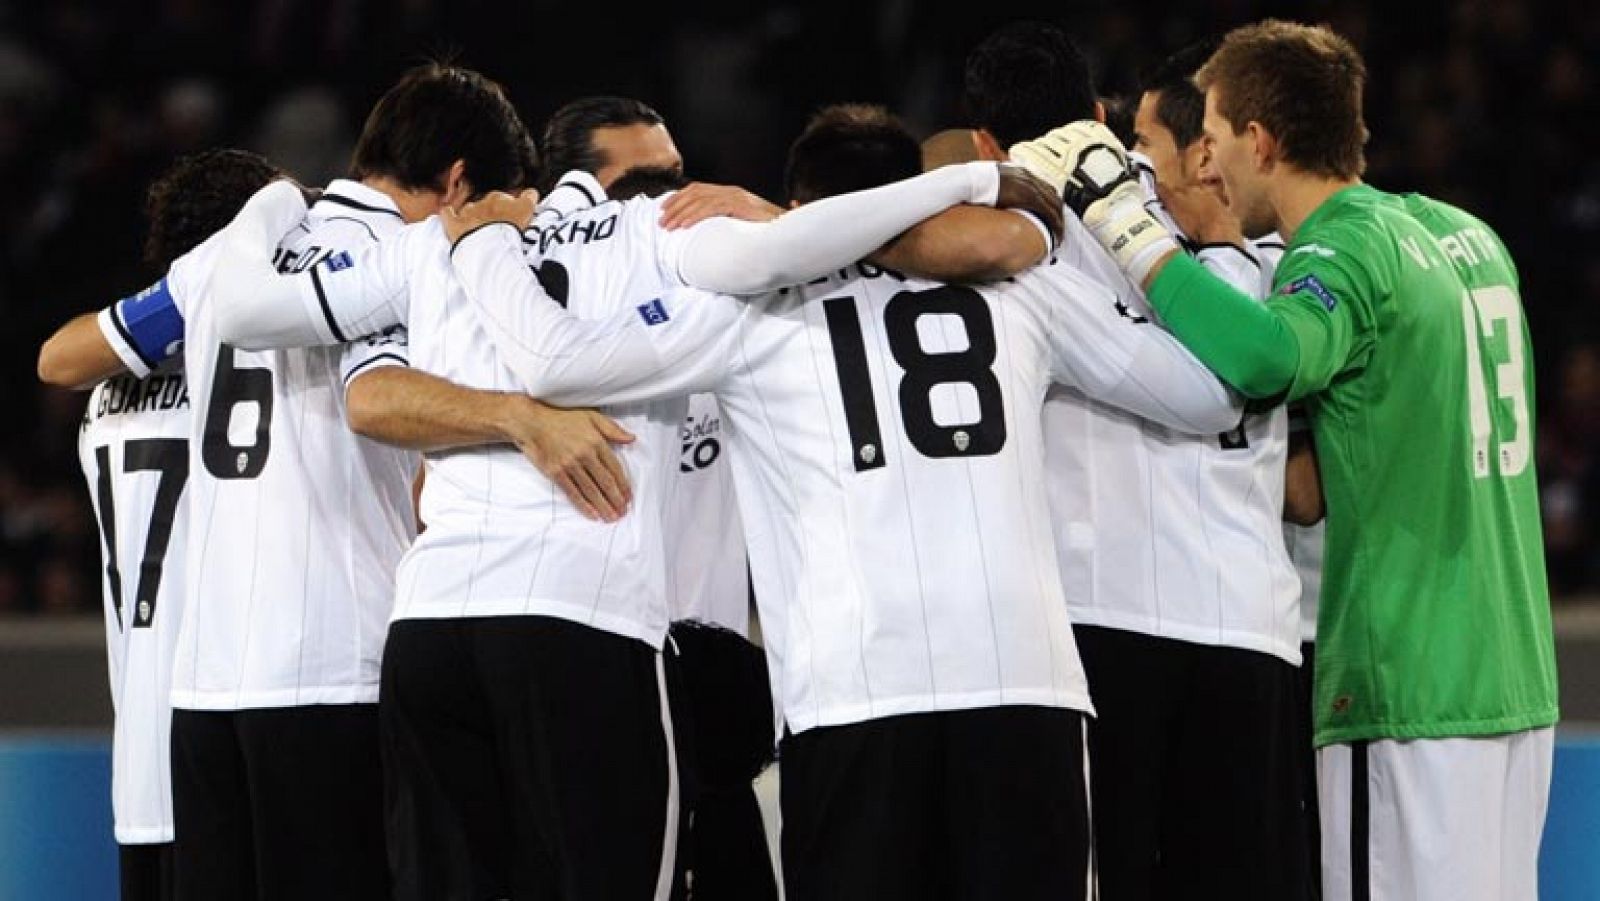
x=923, y=372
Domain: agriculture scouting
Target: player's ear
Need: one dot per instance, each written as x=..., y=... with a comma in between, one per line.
x=1100, y=112
x=1263, y=146
x=457, y=189
x=987, y=147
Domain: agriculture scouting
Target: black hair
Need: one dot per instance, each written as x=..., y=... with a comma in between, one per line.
x=849, y=147
x=196, y=196
x=1181, y=105
x=436, y=115
x=646, y=181
x=569, y=135
x=1025, y=79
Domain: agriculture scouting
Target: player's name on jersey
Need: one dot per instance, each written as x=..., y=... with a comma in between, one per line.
x=862, y=269
x=572, y=231
x=128, y=394
x=287, y=259
x=1470, y=247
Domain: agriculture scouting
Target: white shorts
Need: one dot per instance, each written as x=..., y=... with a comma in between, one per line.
x=1450, y=819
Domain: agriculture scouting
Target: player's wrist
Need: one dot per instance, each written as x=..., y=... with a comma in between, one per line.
x=1126, y=229
x=508, y=415
x=983, y=186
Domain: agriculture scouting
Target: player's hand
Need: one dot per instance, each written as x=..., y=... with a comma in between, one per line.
x=1199, y=209
x=700, y=200
x=573, y=449
x=1091, y=168
x=1084, y=161
x=1022, y=190
x=497, y=206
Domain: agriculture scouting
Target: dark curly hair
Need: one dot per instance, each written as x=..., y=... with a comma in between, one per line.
x=198, y=195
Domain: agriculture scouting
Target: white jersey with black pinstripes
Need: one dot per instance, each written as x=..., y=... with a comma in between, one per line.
x=1162, y=533
x=501, y=538
x=884, y=436
x=297, y=523
x=707, y=574
x=134, y=450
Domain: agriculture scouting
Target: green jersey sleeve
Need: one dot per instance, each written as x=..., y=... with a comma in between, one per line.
x=1324, y=295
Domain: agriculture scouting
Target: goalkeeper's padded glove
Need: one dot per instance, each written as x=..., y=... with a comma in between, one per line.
x=1087, y=163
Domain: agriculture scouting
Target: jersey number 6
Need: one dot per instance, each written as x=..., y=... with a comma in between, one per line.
x=231, y=386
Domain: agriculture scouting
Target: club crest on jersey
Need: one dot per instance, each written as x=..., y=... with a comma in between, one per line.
x=654, y=312
x=1314, y=286
x=338, y=261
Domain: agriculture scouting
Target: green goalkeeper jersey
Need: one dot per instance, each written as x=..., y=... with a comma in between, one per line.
x=1397, y=320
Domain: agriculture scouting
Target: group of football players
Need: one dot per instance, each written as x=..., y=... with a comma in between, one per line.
x=434, y=502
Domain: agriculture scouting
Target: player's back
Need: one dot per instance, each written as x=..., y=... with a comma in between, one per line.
x=502, y=539
x=298, y=522
x=889, y=465
x=1163, y=532
x=1425, y=444
x=134, y=449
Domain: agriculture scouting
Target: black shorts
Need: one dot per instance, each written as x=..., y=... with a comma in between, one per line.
x=1197, y=770
x=146, y=872
x=971, y=804
x=526, y=757
x=280, y=803
x=1306, y=733
x=722, y=705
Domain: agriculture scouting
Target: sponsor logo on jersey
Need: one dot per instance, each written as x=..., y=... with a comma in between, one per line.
x=338, y=261
x=1310, y=284
x=654, y=312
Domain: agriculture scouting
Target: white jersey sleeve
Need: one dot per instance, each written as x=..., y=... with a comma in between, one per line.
x=1125, y=360
x=735, y=257
x=267, y=305
x=390, y=347
x=655, y=349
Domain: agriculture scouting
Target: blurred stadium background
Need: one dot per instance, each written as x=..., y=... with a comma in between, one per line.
x=1491, y=104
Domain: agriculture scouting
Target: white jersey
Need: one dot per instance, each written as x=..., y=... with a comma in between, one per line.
x=885, y=442
x=1164, y=533
x=501, y=540
x=297, y=522
x=134, y=449
x=708, y=578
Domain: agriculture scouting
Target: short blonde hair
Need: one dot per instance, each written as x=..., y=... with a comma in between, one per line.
x=1303, y=83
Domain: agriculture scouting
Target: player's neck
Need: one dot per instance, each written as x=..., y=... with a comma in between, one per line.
x=1297, y=197
x=414, y=205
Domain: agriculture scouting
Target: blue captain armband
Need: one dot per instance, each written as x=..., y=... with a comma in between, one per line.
x=146, y=327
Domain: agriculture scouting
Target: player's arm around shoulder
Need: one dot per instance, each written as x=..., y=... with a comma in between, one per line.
x=135, y=334
x=1105, y=348
x=78, y=356
x=412, y=409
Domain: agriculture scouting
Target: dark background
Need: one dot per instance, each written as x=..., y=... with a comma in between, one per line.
x=1490, y=105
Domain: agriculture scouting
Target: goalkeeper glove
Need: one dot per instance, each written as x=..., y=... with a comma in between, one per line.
x=1087, y=163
